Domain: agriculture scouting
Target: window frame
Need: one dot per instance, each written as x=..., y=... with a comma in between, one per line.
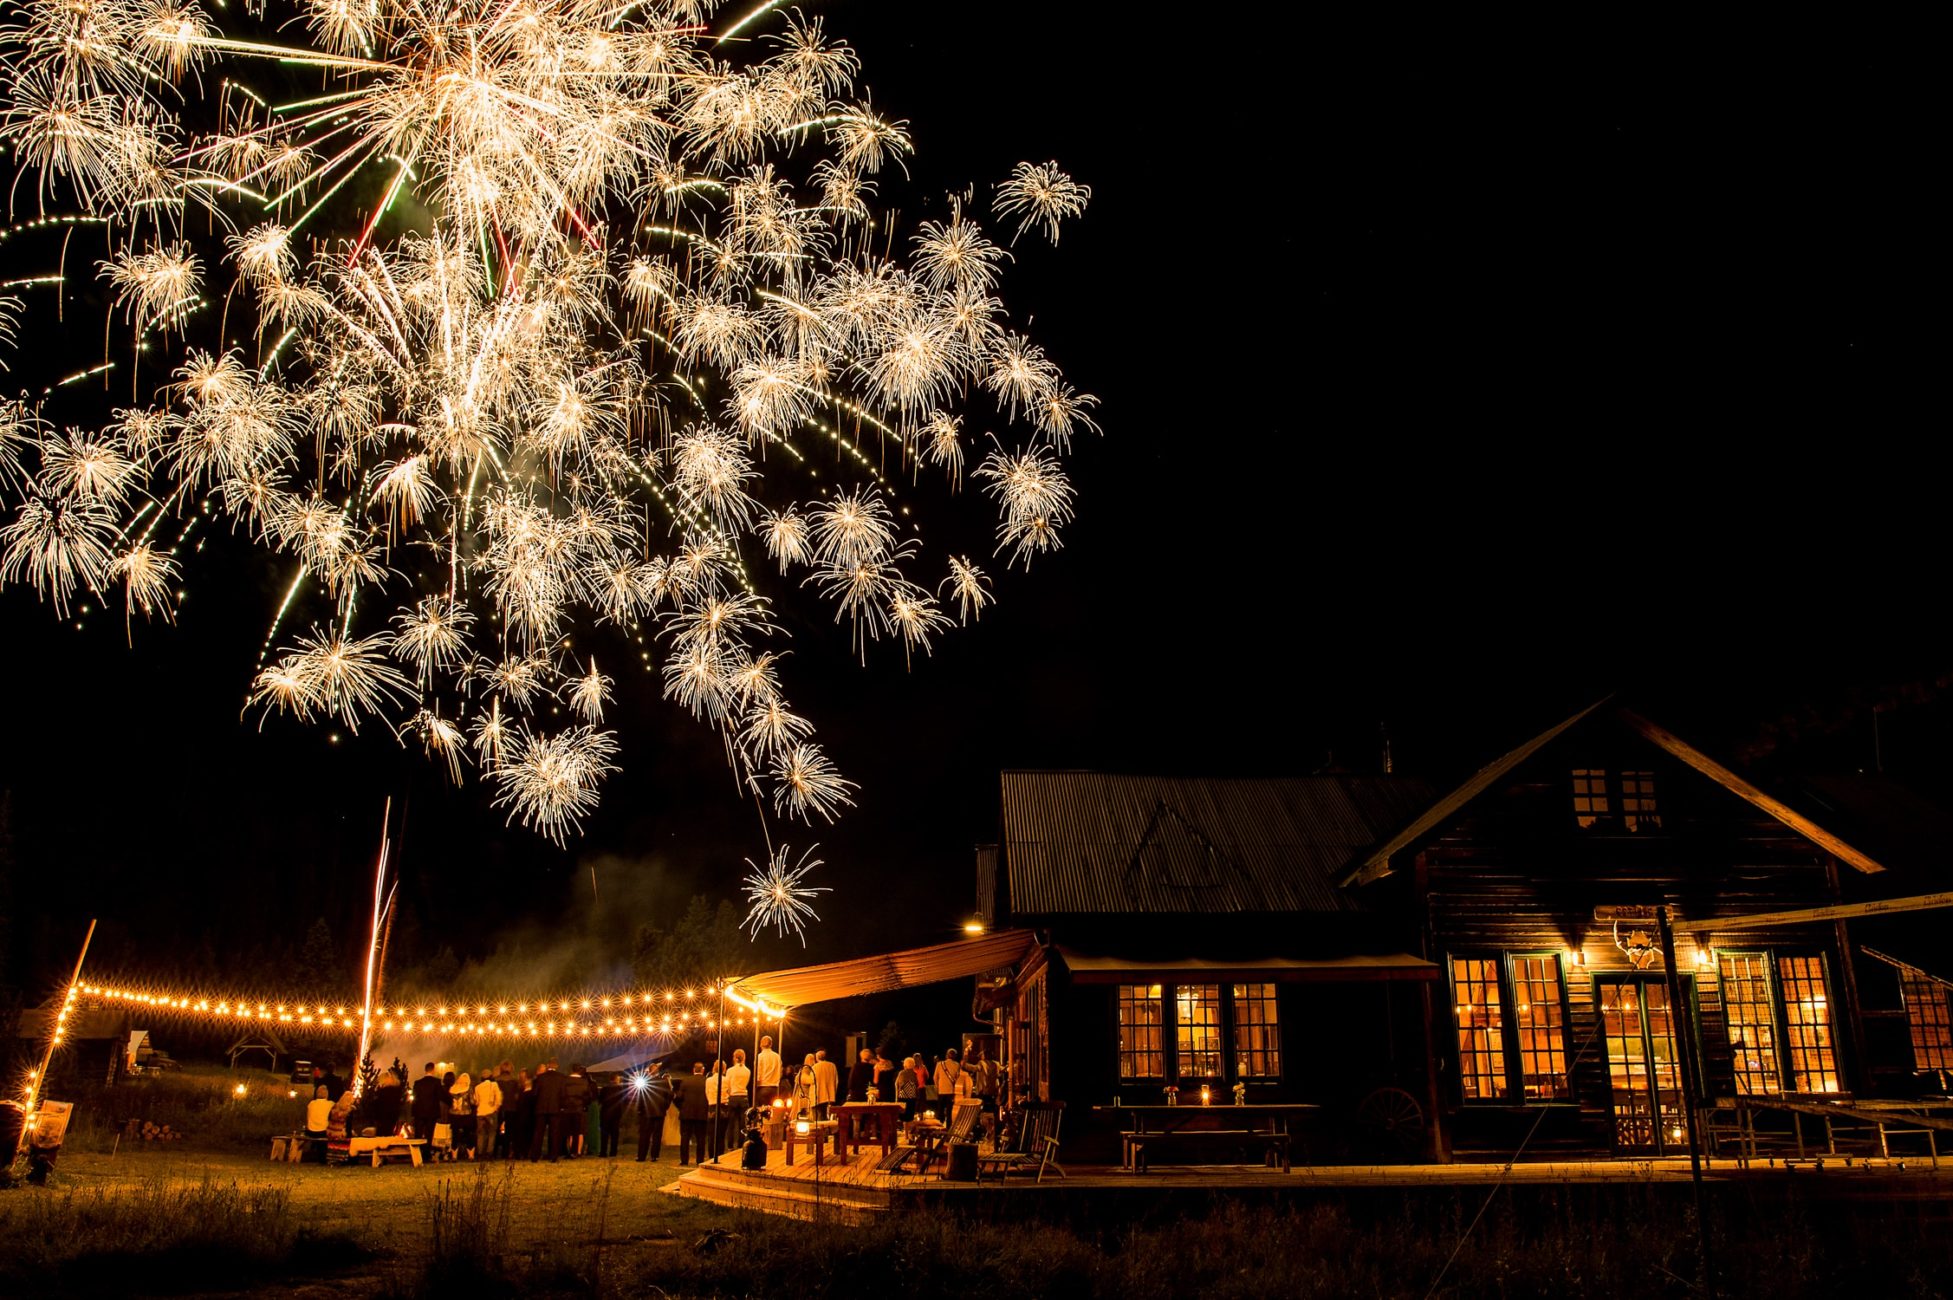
x=1511, y=1072
x=1772, y=960
x=1156, y=995
x=1223, y=1028
x=1607, y=787
x=1909, y=976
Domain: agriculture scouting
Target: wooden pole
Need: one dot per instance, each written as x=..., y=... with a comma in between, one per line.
x=53, y=1039
x=1836, y=912
x=1684, y=1030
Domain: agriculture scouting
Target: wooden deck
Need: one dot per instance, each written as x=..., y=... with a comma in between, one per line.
x=855, y=1192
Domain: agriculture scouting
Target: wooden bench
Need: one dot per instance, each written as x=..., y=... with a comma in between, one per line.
x=1274, y=1147
x=292, y=1147
x=384, y=1147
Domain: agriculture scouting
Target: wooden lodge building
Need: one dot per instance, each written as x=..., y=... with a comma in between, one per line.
x=1445, y=971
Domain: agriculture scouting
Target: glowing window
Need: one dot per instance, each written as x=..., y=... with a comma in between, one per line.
x=1197, y=1035
x=1142, y=1032
x=1257, y=1036
x=1589, y=795
x=1750, y=1011
x=1807, y=1025
x=1539, y=1020
x=1481, y=1027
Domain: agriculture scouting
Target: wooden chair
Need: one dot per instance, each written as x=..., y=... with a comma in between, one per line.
x=933, y=1146
x=1036, y=1142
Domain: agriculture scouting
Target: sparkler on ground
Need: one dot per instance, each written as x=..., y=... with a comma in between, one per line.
x=528, y=324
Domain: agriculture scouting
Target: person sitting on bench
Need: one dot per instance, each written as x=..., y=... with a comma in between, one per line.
x=318, y=1119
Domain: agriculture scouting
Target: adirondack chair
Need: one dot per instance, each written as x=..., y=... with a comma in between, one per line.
x=934, y=1146
x=1035, y=1142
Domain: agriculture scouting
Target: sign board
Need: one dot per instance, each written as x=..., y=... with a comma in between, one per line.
x=1628, y=912
x=51, y=1123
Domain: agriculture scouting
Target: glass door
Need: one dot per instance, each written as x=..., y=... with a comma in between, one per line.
x=1643, y=1067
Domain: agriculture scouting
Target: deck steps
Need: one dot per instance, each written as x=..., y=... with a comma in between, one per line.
x=841, y=1197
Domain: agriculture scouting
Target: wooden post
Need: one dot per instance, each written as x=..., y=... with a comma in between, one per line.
x=1684, y=1029
x=53, y=1033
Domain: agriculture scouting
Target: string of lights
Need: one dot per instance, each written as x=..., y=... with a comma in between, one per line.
x=594, y=1016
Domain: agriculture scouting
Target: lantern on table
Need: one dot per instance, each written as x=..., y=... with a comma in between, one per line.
x=1206, y=1095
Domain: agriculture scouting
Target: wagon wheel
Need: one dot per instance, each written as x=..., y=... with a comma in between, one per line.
x=1392, y=1121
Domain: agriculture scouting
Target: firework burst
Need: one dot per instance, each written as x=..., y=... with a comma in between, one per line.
x=531, y=324
x=780, y=895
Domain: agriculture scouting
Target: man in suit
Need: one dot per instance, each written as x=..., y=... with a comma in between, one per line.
x=651, y=1098
x=692, y=1113
x=429, y=1092
x=552, y=1125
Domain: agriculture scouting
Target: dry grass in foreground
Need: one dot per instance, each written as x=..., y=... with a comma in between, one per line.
x=602, y=1229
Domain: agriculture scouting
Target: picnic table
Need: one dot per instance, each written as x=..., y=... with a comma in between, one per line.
x=1886, y=1118
x=1263, y=1125
x=382, y=1147
x=850, y=1116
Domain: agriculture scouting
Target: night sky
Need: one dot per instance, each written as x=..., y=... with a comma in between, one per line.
x=1449, y=380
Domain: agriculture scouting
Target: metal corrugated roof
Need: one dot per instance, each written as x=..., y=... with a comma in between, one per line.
x=1096, y=842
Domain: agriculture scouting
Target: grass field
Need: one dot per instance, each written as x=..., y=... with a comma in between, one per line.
x=211, y=1216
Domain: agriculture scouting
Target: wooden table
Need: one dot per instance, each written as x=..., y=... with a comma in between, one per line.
x=381, y=1147
x=915, y=1130
x=816, y=1137
x=848, y=1117
x=1262, y=1120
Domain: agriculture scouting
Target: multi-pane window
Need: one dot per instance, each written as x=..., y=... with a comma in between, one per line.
x=1589, y=795
x=1638, y=811
x=1538, y=1018
x=1627, y=800
x=1926, y=1016
x=1197, y=1031
x=1481, y=1027
x=1807, y=1025
x=1257, y=1036
x=1750, y=1011
x=1142, y=1032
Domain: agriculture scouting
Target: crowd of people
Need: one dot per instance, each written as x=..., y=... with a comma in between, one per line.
x=547, y=1114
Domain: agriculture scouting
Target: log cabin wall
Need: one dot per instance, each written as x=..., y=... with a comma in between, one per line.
x=1517, y=874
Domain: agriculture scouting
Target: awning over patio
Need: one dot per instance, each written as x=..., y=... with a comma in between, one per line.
x=1089, y=969
x=785, y=989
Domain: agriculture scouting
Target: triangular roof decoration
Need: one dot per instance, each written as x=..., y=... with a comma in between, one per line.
x=1377, y=864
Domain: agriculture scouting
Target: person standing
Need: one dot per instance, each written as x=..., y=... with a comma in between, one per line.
x=552, y=1128
x=694, y=1112
x=766, y=1075
x=951, y=1080
x=739, y=1090
x=522, y=1115
x=653, y=1100
x=827, y=1084
x=861, y=1077
x=382, y=1113
x=803, y=1089
x=461, y=1115
x=884, y=1077
x=613, y=1098
x=577, y=1097
x=334, y=1085
x=429, y=1096
x=488, y=1115
x=905, y=1090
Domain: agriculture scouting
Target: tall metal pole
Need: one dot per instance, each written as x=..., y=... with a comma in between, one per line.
x=1683, y=1028
x=53, y=1039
